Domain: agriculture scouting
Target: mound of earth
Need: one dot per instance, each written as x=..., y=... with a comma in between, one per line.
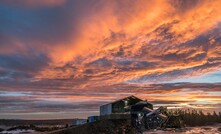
x=1, y=129
x=100, y=127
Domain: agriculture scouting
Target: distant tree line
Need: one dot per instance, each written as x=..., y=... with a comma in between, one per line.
x=197, y=117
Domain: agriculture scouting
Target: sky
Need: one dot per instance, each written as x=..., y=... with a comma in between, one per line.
x=65, y=58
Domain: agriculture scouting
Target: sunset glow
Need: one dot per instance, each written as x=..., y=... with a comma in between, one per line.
x=61, y=57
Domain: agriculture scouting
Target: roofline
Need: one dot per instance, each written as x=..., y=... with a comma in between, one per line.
x=122, y=99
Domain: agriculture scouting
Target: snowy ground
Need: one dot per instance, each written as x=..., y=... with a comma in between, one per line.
x=18, y=131
x=216, y=129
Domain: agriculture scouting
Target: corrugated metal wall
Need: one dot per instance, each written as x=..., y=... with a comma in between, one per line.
x=106, y=109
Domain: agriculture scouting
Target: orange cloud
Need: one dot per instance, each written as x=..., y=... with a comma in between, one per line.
x=109, y=47
x=152, y=31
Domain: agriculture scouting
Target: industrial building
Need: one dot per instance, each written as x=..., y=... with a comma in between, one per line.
x=77, y=122
x=93, y=118
x=121, y=106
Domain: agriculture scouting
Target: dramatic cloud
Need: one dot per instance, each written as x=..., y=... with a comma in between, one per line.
x=77, y=54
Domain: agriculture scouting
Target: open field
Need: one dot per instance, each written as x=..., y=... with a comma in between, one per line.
x=11, y=122
x=32, y=126
x=122, y=127
x=104, y=126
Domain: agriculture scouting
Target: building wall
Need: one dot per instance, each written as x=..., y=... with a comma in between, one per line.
x=118, y=107
x=121, y=106
x=126, y=116
x=93, y=118
x=79, y=121
x=106, y=109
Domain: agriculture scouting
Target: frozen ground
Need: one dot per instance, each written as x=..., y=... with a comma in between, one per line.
x=216, y=129
x=18, y=131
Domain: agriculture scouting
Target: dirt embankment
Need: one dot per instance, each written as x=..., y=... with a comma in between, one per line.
x=100, y=127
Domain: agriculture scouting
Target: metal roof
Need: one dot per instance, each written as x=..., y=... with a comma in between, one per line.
x=123, y=99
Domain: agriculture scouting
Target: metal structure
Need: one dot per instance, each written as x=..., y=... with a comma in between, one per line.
x=143, y=118
x=121, y=105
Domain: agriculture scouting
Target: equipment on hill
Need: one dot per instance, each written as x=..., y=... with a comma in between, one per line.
x=143, y=118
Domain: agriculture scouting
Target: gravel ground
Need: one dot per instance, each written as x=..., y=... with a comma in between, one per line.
x=215, y=129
